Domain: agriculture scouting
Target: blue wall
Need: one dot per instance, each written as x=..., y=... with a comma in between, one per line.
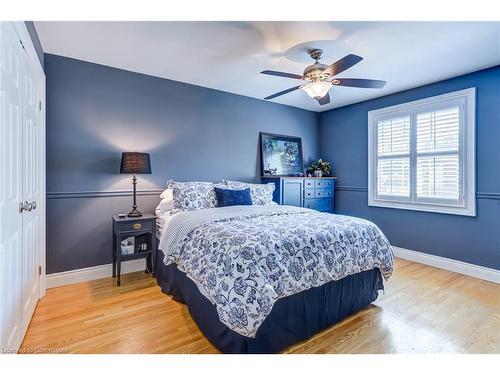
x=95, y=112
x=344, y=141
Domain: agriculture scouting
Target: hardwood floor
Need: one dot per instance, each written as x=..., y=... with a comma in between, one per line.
x=423, y=310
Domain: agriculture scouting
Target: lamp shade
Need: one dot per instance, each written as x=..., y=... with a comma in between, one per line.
x=135, y=163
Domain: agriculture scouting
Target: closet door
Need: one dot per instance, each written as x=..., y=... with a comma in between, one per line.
x=32, y=167
x=11, y=188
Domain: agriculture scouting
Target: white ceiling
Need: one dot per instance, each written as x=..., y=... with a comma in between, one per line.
x=228, y=56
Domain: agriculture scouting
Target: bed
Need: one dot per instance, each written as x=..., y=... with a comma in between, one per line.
x=259, y=278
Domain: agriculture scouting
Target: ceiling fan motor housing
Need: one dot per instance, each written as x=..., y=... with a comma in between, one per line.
x=315, y=72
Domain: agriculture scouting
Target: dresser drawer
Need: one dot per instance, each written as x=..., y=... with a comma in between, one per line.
x=329, y=183
x=328, y=192
x=326, y=205
x=319, y=183
x=312, y=203
x=319, y=193
x=309, y=184
x=309, y=193
x=136, y=226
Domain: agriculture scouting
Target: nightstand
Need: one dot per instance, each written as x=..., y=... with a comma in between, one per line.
x=141, y=234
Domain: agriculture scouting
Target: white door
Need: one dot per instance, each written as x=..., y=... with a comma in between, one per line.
x=32, y=167
x=11, y=188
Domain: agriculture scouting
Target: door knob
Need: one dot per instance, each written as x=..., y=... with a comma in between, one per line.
x=33, y=204
x=28, y=206
x=22, y=207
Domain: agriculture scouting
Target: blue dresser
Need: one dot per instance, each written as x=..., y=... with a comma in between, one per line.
x=310, y=192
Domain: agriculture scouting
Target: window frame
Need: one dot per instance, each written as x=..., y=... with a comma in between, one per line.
x=467, y=155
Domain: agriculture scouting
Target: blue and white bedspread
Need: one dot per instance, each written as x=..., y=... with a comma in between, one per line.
x=244, y=258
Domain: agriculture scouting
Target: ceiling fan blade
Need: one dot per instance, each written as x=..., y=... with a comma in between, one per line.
x=282, y=74
x=343, y=64
x=324, y=100
x=356, y=82
x=282, y=92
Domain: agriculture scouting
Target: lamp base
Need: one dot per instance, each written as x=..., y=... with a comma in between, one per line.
x=134, y=213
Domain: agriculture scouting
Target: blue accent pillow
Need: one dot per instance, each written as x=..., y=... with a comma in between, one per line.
x=227, y=197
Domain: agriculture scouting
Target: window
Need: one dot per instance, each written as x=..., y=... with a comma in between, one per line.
x=422, y=155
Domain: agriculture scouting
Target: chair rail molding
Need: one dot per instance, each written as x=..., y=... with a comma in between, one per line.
x=101, y=193
x=364, y=189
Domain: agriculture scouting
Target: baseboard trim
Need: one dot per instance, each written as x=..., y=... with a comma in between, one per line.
x=54, y=280
x=479, y=272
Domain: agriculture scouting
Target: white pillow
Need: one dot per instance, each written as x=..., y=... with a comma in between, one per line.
x=164, y=206
x=167, y=194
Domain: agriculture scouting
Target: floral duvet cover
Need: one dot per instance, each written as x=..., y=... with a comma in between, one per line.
x=244, y=258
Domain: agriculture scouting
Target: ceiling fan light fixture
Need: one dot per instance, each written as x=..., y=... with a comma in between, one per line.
x=318, y=89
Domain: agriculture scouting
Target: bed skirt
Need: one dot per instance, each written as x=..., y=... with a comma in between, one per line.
x=292, y=319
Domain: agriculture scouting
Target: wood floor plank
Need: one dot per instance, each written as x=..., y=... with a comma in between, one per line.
x=423, y=310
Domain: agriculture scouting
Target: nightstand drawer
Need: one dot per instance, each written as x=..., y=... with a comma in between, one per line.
x=139, y=225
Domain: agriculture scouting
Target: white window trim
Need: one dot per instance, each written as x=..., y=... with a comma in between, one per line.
x=468, y=158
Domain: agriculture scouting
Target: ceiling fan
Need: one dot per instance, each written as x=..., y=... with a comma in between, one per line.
x=320, y=76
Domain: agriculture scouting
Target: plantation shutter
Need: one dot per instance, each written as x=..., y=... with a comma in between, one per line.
x=438, y=167
x=393, y=157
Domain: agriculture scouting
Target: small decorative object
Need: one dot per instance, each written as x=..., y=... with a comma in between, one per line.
x=135, y=163
x=122, y=216
x=319, y=168
x=281, y=155
x=128, y=245
x=142, y=247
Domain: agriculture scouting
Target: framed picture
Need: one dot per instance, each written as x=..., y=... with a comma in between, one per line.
x=281, y=155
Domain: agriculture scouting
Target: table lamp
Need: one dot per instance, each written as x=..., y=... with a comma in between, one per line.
x=135, y=163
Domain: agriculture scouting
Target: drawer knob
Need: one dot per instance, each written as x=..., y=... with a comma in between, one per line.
x=137, y=226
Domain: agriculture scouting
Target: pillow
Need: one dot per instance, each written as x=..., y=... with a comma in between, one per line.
x=167, y=193
x=164, y=206
x=190, y=196
x=228, y=197
x=262, y=194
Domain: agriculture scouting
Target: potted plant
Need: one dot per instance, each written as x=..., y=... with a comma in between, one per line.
x=319, y=168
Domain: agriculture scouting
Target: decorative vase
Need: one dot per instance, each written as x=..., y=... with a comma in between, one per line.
x=318, y=173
